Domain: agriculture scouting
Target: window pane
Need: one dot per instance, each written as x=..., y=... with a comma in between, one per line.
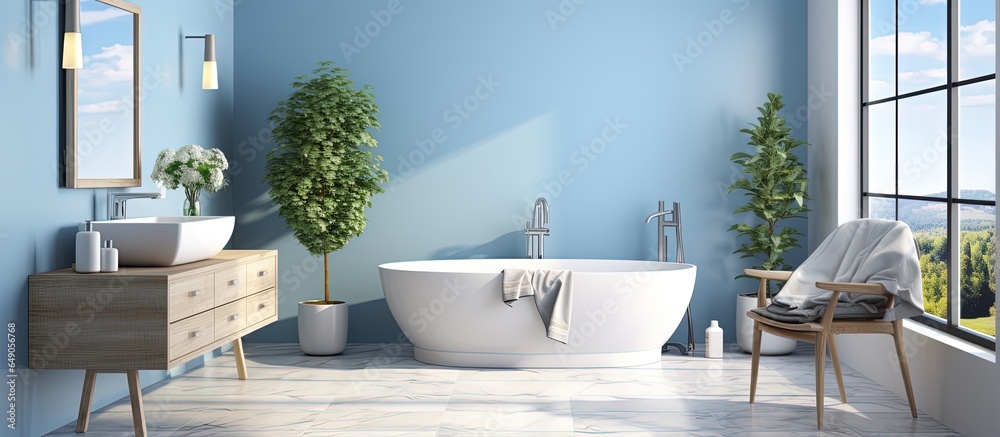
x=978, y=286
x=882, y=49
x=922, y=44
x=882, y=208
x=882, y=148
x=977, y=141
x=928, y=221
x=923, y=145
x=976, y=38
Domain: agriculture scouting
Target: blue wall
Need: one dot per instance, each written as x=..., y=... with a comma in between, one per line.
x=39, y=221
x=603, y=107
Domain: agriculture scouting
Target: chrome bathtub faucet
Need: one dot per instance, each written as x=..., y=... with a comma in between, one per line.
x=662, y=223
x=116, y=202
x=537, y=229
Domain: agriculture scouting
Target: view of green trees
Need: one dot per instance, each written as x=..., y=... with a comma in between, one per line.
x=977, y=255
x=978, y=277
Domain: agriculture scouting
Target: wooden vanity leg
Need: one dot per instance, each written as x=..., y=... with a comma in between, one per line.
x=241, y=363
x=85, y=401
x=135, y=395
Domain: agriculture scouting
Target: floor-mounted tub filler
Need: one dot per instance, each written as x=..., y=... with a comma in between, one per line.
x=452, y=311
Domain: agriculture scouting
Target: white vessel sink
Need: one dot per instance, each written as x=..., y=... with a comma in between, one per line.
x=166, y=241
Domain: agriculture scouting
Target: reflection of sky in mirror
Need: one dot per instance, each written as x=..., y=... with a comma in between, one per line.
x=922, y=64
x=105, y=89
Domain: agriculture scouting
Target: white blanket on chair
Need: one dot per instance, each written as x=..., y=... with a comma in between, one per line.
x=868, y=251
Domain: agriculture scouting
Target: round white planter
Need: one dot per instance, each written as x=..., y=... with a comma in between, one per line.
x=322, y=328
x=770, y=344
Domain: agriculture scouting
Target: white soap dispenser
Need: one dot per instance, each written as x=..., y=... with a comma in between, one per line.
x=88, y=250
x=109, y=258
x=713, y=341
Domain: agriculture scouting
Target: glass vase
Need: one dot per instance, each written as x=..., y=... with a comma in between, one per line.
x=192, y=204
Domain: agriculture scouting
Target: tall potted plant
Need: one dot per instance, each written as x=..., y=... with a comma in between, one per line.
x=323, y=175
x=775, y=189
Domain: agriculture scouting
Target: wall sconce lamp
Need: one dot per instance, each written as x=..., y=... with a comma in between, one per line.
x=210, y=70
x=72, y=44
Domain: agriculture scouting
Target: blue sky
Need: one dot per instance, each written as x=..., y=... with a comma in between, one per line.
x=922, y=29
x=105, y=88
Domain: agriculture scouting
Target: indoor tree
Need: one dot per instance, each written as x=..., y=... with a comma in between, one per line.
x=775, y=187
x=323, y=173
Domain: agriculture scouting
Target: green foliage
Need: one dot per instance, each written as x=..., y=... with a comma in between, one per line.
x=775, y=187
x=977, y=272
x=323, y=173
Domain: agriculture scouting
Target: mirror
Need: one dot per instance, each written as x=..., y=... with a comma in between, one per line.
x=102, y=99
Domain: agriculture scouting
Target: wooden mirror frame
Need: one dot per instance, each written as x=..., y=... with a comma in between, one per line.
x=72, y=152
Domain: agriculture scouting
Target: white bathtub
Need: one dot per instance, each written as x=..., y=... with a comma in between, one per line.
x=452, y=311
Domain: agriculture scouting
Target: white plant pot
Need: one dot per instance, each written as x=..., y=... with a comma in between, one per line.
x=770, y=344
x=322, y=328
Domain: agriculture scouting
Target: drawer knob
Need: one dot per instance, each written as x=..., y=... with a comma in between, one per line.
x=234, y=317
x=195, y=334
x=261, y=306
x=195, y=293
x=262, y=273
x=234, y=282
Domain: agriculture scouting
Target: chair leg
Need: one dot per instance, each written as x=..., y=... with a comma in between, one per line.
x=904, y=368
x=755, y=362
x=820, y=364
x=832, y=339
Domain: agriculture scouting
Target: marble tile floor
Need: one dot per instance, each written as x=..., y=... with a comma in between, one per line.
x=380, y=390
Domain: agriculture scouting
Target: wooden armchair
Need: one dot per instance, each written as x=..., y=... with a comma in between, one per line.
x=823, y=332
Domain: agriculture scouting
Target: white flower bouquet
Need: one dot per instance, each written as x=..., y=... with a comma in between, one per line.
x=193, y=168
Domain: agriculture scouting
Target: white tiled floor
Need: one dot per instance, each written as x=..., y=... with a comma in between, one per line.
x=379, y=390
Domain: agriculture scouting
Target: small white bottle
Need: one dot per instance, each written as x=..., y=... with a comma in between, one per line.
x=88, y=250
x=109, y=258
x=713, y=341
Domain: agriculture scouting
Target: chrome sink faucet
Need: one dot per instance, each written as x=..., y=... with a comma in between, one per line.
x=116, y=202
x=537, y=229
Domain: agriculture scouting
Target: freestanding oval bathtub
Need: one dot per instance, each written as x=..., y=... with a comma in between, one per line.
x=452, y=311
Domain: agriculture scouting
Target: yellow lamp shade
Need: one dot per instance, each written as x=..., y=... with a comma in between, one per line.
x=72, y=51
x=210, y=76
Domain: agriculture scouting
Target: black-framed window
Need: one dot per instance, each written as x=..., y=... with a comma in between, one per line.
x=928, y=148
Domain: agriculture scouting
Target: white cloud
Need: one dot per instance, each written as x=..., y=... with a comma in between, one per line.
x=910, y=43
x=94, y=17
x=112, y=64
x=979, y=100
x=109, y=106
x=878, y=85
x=924, y=76
x=979, y=39
x=921, y=107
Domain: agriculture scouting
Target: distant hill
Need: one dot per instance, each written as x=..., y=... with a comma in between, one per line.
x=930, y=216
x=970, y=194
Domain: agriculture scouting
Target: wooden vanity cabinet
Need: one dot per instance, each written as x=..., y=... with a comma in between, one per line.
x=148, y=318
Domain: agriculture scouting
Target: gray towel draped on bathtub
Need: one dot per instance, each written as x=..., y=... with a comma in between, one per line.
x=553, y=293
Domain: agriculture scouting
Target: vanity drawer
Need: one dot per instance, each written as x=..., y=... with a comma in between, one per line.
x=191, y=333
x=260, y=306
x=230, y=284
x=190, y=296
x=260, y=275
x=230, y=319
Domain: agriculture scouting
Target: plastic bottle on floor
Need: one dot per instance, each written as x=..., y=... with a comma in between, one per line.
x=713, y=341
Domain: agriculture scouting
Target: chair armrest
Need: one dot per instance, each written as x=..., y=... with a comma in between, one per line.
x=774, y=275
x=855, y=287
